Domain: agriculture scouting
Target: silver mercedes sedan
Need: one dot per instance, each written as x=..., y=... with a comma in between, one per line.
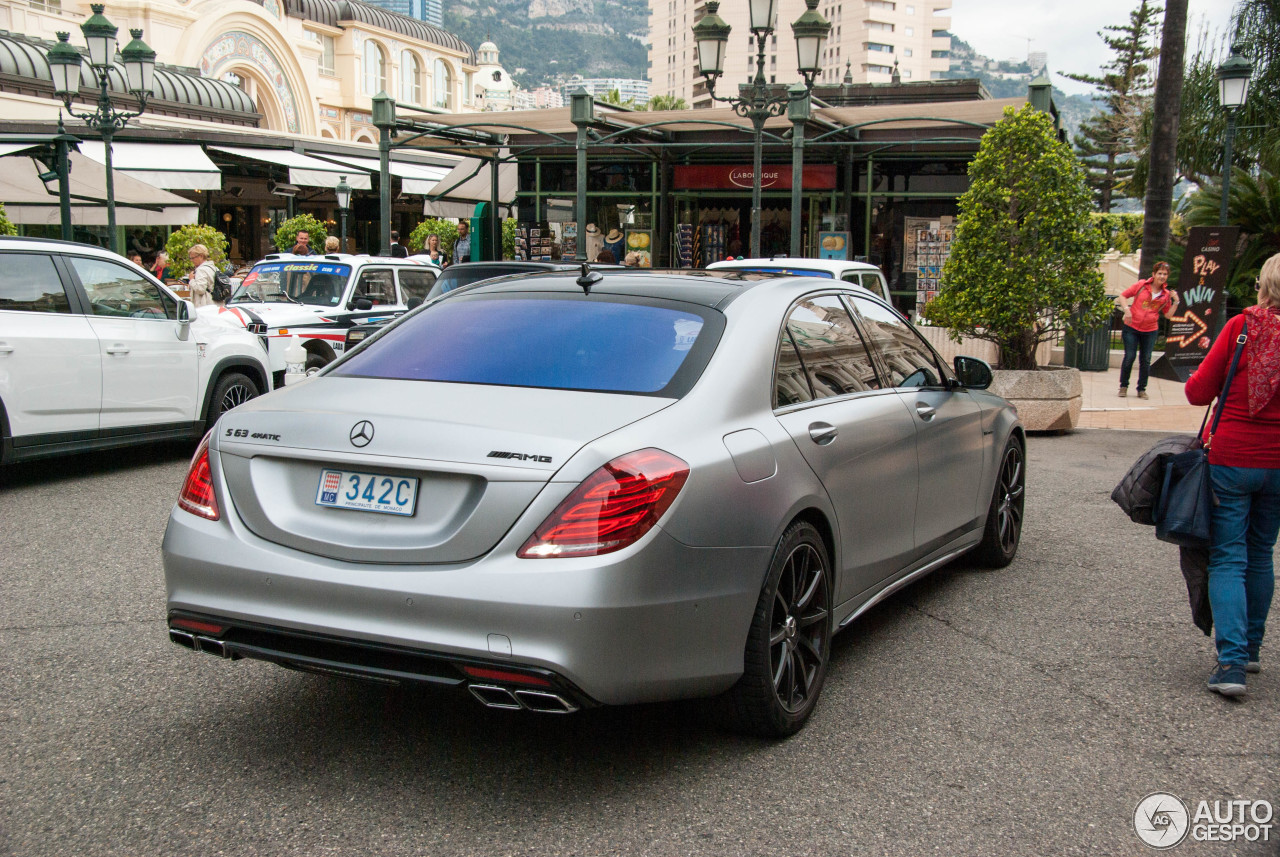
x=587, y=488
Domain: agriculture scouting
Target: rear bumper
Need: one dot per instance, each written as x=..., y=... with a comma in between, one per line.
x=660, y=620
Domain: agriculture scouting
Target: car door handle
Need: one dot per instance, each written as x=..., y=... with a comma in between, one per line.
x=926, y=412
x=117, y=349
x=822, y=433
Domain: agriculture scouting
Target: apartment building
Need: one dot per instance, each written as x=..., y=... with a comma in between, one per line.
x=868, y=37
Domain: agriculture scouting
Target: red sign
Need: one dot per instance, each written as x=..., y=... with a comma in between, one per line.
x=772, y=177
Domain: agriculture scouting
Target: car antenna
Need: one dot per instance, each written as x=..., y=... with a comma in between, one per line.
x=589, y=278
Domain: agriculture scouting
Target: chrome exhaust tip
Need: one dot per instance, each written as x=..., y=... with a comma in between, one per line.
x=545, y=703
x=214, y=647
x=182, y=638
x=492, y=696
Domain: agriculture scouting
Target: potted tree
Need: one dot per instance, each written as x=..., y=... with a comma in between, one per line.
x=1023, y=269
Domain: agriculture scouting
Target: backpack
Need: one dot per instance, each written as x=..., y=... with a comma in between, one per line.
x=221, y=287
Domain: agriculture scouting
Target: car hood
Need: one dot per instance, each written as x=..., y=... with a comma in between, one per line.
x=285, y=314
x=481, y=454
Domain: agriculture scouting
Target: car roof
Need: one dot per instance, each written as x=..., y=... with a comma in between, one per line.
x=516, y=266
x=714, y=289
x=345, y=258
x=833, y=265
x=56, y=245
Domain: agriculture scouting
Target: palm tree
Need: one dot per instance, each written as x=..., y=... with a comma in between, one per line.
x=666, y=102
x=1164, y=135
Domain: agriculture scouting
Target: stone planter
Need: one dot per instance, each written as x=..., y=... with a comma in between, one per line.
x=1048, y=399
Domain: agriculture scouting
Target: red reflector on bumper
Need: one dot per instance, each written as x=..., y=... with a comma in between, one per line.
x=197, y=625
x=506, y=675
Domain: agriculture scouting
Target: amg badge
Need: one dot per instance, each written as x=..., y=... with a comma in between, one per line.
x=520, y=456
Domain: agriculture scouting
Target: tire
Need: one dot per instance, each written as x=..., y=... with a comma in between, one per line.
x=315, y=361
x=789, y=644
x=1000, y=540
x=232, y=389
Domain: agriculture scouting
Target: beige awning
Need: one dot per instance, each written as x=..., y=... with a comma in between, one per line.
x=934, y=116
x=460, y=201
x=28, y=200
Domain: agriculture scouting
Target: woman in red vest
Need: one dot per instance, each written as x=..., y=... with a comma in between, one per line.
x=1143, y=304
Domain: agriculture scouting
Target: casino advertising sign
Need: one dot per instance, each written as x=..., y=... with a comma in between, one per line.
x=1202, y=287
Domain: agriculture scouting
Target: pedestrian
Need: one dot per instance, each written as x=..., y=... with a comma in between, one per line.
x=135, y=257
x=606, y=257
x=433, y=252
x=332, y=245
x=462, y=247
x=160, y=267
x=1244, y=468
x=302, y=244
x=1143, y=303
x=632, y=260
x=398, y=250
x=202, y=274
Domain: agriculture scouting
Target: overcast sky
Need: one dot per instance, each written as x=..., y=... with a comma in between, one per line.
x=1067, y=31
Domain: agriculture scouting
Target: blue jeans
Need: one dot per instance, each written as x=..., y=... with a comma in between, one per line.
x=1241, y=566
x=1135, y=341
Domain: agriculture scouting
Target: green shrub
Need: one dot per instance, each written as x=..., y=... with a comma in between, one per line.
x=6, y=226
x=182, y=240
x=446, y=229
x=1122, y=232
x=509, y=238
x=287, y=234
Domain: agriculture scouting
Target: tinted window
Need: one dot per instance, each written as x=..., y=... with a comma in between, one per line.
x=114, y=290
x=30, y=283
x=834, y=355
x=568, y=343
x=454, y=278
x=314, y=283
x=909, y=360
x=416, y=283
x=378, y=285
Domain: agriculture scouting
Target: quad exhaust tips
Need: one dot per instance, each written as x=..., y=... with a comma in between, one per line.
x=541, y=701
x=197, y=643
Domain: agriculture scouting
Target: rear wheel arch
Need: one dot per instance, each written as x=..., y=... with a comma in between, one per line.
x=5, y=434
x=251, y=370
x=319, y=350
x=818, y=519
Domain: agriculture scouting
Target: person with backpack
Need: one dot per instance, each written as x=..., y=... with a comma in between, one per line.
x=203, y=276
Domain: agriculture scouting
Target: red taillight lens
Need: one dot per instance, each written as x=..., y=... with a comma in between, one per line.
x=197, y=625
x=197, y=492
x=612, y=508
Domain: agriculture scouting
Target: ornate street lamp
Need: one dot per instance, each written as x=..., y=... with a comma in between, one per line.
x=343, y=193
x=139, y=70
x=1233, y=87
x=755, y=101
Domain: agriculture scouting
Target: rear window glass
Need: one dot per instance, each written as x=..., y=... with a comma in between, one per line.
x=312, y=283
x=795, y=272
x=562, y=342
x=455, y=278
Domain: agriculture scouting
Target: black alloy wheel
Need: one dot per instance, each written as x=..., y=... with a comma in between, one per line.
x=233, y=390
x=1004, y=519
x=789, y=644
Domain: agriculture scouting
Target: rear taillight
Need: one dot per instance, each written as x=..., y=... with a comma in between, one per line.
x=197, y=492
x=612, y=508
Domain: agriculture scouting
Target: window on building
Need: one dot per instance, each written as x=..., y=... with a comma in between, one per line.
x=878, y=69
x=906, y=52
x=942, y=34
x=911, y=10
x=375, y=68
x=410, y=77
x=468, y=93
x=881, y=25
x=941, y=54
x=911, y=31
x=881, y=5
x=328, y=62
x=442, y=80
x=878, y=46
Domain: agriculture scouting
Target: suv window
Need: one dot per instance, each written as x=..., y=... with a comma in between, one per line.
x=834, y=355
x=313, y=283
x=114, y=290
x=416, y=282
x=908, y=358
x=30, y=283
x=378, y=285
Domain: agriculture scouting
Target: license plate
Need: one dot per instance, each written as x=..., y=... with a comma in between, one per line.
x=367, y=492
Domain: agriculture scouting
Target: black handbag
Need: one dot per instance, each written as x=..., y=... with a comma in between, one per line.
x=1184, y=511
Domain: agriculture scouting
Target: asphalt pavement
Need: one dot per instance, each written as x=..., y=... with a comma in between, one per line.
x=1020, y=712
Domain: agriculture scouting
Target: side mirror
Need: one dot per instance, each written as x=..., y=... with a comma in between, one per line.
x=973, y=374
x=186, y=311
x=360, y=304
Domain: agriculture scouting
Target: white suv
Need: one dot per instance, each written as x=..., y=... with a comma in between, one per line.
x=95, y=353
x=318, y=297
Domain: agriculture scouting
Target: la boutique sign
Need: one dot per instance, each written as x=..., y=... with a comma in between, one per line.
x=742, y=177
x=729, y=177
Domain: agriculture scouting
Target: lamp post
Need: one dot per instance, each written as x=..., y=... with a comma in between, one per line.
x=139, y=69
x=754, y=100
x=343, y=193
x=1233, y=87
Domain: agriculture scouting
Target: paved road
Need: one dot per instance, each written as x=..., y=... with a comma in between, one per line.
x=1021, y=712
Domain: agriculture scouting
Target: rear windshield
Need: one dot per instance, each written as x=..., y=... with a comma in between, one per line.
x=454, y=278
x=312, y=283
x=563, y=342
x=795, y=272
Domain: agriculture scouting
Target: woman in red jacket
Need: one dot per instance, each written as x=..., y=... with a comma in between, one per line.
x=1143, y=304
x=1244, y=460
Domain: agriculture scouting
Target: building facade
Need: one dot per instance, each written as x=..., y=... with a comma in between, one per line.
x=628, y=89
x=869, y=39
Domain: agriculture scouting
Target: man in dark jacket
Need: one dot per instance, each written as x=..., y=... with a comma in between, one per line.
x=398, y=250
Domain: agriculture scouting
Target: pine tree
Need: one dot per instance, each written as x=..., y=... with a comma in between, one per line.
x=1108, y=142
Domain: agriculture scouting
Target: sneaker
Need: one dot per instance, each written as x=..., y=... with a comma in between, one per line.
x=1253, y=667
x=1142, y=394
x=1228, y=680
x=1124, y=391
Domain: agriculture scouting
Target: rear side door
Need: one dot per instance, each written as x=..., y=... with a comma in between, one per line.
x=415, y=284
x=948, y=425
x=857, y=436
x=50, y=363
x=150, y=373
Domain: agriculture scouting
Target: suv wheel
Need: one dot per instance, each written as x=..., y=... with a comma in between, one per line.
x=233, y=389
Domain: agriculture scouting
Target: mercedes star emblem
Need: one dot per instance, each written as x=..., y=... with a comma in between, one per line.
x=361, y=433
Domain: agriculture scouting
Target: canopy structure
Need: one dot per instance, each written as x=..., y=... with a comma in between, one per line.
x=471, y=181
x=304, y=170
x=29, y=200
x=415, y=178
x=173, y=166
